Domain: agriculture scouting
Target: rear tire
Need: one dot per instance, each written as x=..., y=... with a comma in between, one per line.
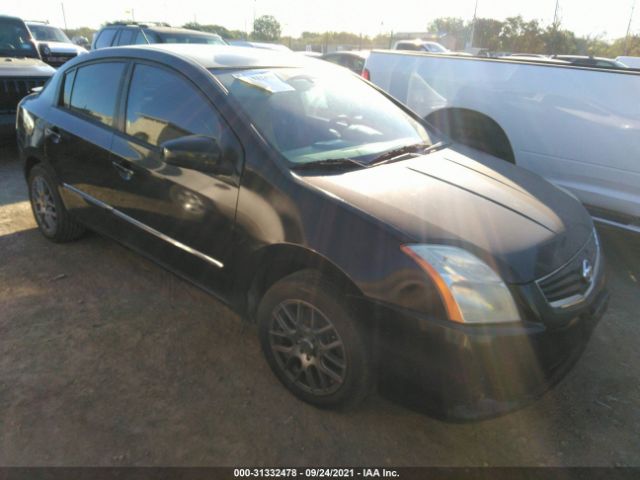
x=313, y=342
x=53, y=220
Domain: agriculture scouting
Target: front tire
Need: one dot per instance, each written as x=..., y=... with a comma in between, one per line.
x=53, y=220
x=313, y=343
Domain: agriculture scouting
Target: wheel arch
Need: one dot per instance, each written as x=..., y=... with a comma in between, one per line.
x=275, y=262
x=30, y=161
x=474, y=129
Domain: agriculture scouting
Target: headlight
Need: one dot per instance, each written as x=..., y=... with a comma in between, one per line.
x=471, y=291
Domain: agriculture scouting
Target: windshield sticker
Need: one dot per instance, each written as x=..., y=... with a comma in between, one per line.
x=267, y=81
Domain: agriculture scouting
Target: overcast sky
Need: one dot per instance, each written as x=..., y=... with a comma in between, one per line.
x=585, y=17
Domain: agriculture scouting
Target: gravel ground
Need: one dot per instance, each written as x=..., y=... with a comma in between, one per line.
x=107, y=359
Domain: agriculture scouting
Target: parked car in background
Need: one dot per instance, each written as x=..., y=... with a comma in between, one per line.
x=587, y=61
x=418, y=45
x=21, y=70
x=352, y=59
x=60, y=48
x=263, y=45
x=360, y=241
x=630, y=62
x=577, y=127
x=118, y=34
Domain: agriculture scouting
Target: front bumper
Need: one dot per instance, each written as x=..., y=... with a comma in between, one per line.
x=7, y=124
x=469, y=372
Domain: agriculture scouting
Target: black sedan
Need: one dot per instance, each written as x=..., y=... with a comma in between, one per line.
x=365, y=246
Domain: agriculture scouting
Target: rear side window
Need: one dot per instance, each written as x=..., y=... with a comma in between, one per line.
x=409, y=46
x=95, y=90
x=126, y=36
x=162, y=106
x=105, y=38
x=140, y=38
x=66, y=90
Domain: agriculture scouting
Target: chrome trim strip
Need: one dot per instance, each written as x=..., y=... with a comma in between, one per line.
x=143, y=226
x=575, y=299
x=627, y=227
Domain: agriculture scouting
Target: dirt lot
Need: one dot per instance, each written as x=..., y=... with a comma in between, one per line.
x=106, y=359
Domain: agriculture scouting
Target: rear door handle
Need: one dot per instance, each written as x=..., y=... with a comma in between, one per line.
x=53, y=134
x=124, y=172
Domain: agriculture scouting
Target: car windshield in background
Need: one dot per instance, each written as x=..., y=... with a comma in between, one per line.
x=315, y=115
x=45, y=33
x=180, y=37
x=15, y=40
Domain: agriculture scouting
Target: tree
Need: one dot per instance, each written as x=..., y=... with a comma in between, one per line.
x=451, y=27
x=487, y=33
x=266, y=28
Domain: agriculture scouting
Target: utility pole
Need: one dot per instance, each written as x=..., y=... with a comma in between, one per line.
x=64, y=17
x=556, y=25
x=473, y=25
x=626, y=40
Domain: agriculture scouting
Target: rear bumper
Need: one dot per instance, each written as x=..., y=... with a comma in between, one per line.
x=466, y=372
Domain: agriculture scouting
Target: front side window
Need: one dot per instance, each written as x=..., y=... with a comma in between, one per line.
x=95, y=90
x=321, y=114
x=163, y=106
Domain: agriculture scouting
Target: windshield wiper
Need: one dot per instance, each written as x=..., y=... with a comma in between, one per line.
x=421, y=148
x=331, y=163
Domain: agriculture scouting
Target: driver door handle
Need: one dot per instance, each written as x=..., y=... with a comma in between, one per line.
x=124, y=172
x=53, y=134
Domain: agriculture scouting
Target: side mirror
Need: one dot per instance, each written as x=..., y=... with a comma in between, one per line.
x=195, y=152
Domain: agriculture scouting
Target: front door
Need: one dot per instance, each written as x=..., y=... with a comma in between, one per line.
x=185, y=216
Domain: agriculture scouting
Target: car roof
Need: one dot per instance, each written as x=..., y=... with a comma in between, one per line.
x=214, y=56
x=161, y=28
x=10, y=17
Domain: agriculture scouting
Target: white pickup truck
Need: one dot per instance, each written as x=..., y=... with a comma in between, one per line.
x=578, y=127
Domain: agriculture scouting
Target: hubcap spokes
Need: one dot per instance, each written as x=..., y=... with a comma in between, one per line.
x=307, y=347
x=44, y=205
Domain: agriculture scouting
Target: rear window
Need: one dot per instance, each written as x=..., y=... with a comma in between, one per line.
x=95, y=90
x=105, y=38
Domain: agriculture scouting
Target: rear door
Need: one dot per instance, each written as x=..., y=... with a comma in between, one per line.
x=175, y=208
x=80, y=134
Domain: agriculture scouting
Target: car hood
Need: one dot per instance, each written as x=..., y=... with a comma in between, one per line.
x=511, y=218
x=24, y=67
x=63, y=47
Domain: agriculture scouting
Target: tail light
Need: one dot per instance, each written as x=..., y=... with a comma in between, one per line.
x=366, y=75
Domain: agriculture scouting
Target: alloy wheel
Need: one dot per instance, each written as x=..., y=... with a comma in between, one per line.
x=44, y=205
x=307, y=347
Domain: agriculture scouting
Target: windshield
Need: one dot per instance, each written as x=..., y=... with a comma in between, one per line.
x=15, y=40
x=312, y=115
x=46, y=33
x=182, y=37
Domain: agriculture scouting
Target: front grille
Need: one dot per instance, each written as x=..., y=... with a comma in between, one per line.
x=59, y=59
x=13, y=89
x=572, y=282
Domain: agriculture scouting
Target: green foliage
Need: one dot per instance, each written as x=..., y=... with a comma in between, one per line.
x=266, y=28
x=516, y=35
